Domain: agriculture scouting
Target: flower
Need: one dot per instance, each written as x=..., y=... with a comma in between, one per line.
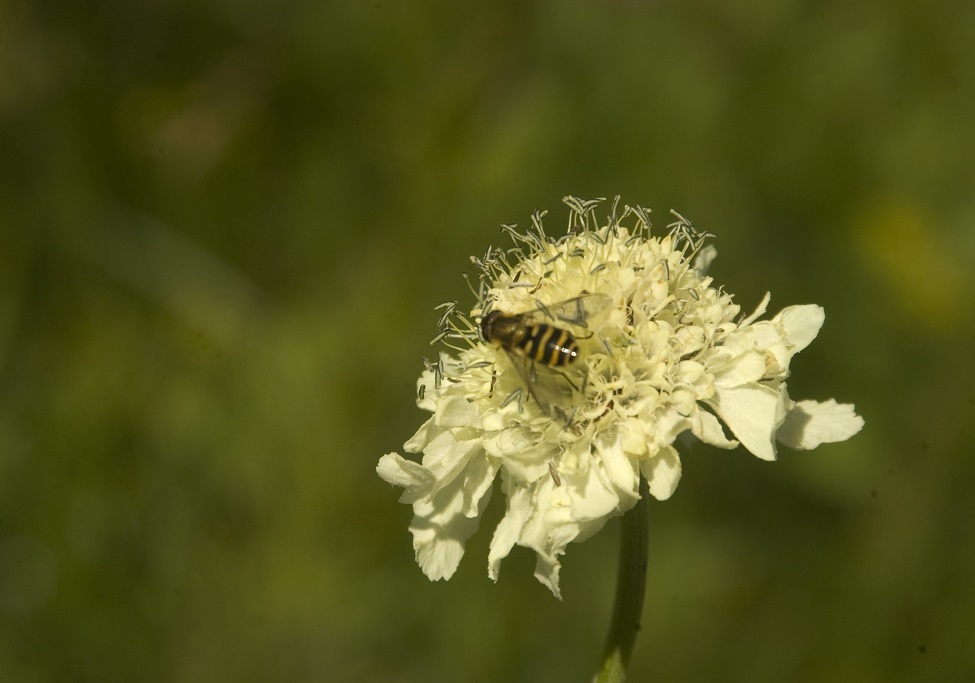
x=661, y=351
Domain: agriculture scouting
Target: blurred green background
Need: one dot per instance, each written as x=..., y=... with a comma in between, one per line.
x=224, y=226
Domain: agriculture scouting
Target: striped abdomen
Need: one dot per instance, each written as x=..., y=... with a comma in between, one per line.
x=549, y=345
x=540, y=342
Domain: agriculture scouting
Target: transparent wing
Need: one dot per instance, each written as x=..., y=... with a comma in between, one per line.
x=549, y=388
x=575, y=311
x=526, y=370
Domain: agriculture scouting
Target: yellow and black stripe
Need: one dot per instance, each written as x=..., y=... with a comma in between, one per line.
x=540, y=342
x=549, y=345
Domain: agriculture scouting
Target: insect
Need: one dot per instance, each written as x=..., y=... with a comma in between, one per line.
x=547, y=343
x=544, y=337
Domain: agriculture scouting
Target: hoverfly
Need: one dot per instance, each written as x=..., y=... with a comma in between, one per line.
x=543, y=337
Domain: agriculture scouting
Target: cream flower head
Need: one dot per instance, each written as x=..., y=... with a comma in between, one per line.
x=660, y=351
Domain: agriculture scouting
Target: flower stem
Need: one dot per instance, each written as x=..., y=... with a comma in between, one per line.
x=631, y=584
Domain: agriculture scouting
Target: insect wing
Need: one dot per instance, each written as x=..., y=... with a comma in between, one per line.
x=576, y=311
x=526, y=370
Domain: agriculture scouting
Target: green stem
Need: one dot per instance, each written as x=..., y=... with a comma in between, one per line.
x=631, y=585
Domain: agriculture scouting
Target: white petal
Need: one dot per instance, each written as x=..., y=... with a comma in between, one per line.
x=744, y=369
x=620, y=471
x=456, y=411
x=662, y=473
x=562, y=514
x=669, y=426
x=478, y=478
x=414, y=477
x=509, y=530
x=633, y=439
x=759, y=311
x=445, y=456
x=440, y=528
x=547, y=532
x=430, y=393
x=525, y=454
x=811, y=423
x=547, y=571
x=754, y=414
x=801, y=324
x=427, y=431
x=707, y=428
x=704, y=258
x=591, y=498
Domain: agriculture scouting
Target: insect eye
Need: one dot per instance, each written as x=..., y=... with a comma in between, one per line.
x=486, y=322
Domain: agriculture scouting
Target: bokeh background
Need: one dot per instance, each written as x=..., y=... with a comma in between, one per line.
x=223, y=230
